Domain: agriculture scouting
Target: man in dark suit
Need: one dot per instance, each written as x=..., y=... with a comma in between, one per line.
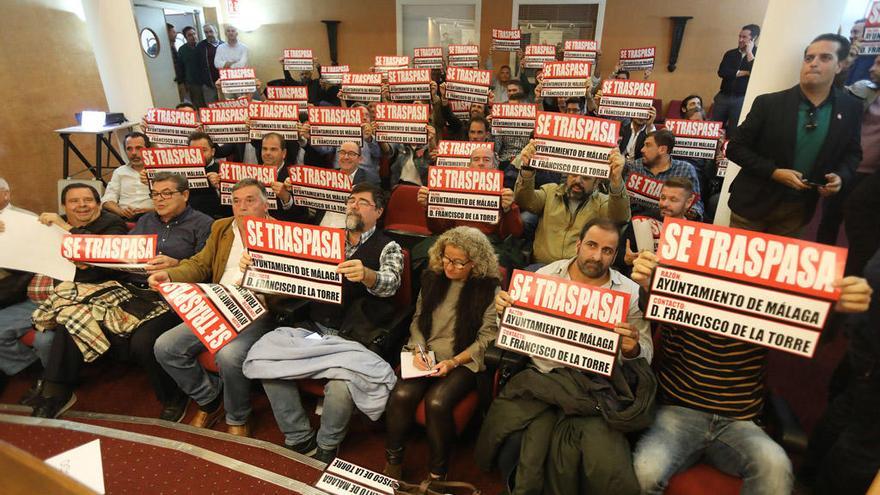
x=633, y=134
x=796, y=145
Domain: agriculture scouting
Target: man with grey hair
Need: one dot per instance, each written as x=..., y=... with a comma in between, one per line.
x=208, y=73
x=232, y=54
x=178, y=349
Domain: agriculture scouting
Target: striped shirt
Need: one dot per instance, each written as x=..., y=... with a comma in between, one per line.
x=710, y=373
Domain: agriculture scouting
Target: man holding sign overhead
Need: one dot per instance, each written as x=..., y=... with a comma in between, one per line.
x=579, y=320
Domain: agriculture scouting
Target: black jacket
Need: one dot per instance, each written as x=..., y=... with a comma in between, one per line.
x=625, y=133
x=766, y=141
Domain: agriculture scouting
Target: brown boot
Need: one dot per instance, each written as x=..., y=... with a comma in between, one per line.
x=240, y=430
x=393, y=463
x=204, y=419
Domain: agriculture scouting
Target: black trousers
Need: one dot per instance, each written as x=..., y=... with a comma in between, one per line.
x=862, y=223
x=441, y=395
x=66, y=360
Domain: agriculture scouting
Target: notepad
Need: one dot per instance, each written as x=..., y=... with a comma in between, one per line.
x=408, y=369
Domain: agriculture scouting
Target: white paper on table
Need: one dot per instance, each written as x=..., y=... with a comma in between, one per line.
x=82, y=464
x=408, y=369
x=30, y=246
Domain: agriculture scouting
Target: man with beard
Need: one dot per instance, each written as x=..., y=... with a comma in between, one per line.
x=565, y=208
x=656, y=165
x=126, y=196
x=734, y=71
x=208, y=73
x=371, y=276
x=587, y=453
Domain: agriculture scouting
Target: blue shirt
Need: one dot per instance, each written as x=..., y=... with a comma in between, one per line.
x=180, y=238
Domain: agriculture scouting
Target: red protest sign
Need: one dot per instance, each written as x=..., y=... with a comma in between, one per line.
x=465, y=194
x=637, y=58
x=513, y=119
x=404, y=123
x=297, y=59
x=215, y=313
x=320, y=188
x=537, y=55
x=226, y=125
x=464, y=56
x=361, y=86
x=332, y=74
x=241, y=80
x=170, y=127
x=625, y=98
x=409, y=84
x=128, y=253
x=565, y=79
x=458, y=153
x=430, y=57
x=506, y=40
x=332, y=126
x=281, y=118
x=695, y=138
x=187, y=161
x=294, y=259
x=580, y=50
x=574, y=144
x=470, y=85
x=563, y=321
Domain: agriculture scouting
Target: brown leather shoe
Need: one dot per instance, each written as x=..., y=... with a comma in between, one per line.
x=204, y=419
x=239, y=430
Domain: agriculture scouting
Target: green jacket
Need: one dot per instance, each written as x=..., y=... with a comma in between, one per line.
x=208, y=264
x=558, y=228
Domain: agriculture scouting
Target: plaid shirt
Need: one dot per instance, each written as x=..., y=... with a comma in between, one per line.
x=390, y=265
x=677, y=168
x=508, y=147
x=84, y=309
x=40, y=287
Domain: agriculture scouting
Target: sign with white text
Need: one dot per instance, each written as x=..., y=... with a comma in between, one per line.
x=471, y=85
x=361, y=86
x=404, y=123
x=563, y=321
x=430, y=57
x=332, y=126
x=225, y=125
x=170, y=127
x=410, y=85
x=464, y=56
x=386, y=63
x=281, y=118
x=237, y=81
x=626, y=98
x=636, y=58
x=465, y=194
x=319, y=188
x=871, y=37
x=294, y=259
x=299, y=60
x=506, y=40
x=763, y=289
x=344, y=478
x=187, y=161
x=458, y=153
x=574, y=144
x=127, y=253
x=215, y=313
x=232, y=172
x=695, y=138
x=332, y=74
x=513, y=119
x=537, y=55
x=565, y=79
x=580, y=51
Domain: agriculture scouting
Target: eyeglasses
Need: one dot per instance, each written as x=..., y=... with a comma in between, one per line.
x=347, y=153
x=361, y=203
x=459, y=265
x=163, y=194
x=811, y=124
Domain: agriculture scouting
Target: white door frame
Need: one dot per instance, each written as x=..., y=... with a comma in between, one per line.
x=477, y=4
x=600, y=16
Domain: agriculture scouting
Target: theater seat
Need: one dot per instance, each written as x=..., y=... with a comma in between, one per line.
x=673, y=111
x=28, y=338
x=461, y=413
x=404, y=215
x=702, y=479
x=206, y=359
x=658, y=107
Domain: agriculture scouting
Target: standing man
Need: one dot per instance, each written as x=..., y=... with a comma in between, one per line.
x=126, y=195
x=208, y=73
x=734, y=71
x=189, y=59
x=796, y=145
x=232, y=54
x=179, y=73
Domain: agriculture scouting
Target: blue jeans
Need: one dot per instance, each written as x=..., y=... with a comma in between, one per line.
x=682, y=436
x=293, y=421
x=15, y=321
x=177, y=351
x=727, y=109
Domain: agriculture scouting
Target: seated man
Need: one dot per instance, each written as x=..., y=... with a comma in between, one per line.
x=563, y=209
x=656, y=164
x=207, y=200
x=372, y=274
x=126, y=196
x=181, y=232
x=711, y=390
x=510, y=223
x=676, y=198
x=583, y=451
x=178, y=349
x=409, y=163
x=17, y=301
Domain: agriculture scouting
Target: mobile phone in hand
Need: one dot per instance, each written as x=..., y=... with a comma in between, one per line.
x=812, y=184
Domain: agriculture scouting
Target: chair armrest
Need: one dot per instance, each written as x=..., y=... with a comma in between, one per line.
x=287, y=310
x=784, y=424
x=507, y=363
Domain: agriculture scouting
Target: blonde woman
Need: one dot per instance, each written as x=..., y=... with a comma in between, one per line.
x=454, y=318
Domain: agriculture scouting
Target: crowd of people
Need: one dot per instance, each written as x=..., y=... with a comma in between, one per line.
x=702, y=401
